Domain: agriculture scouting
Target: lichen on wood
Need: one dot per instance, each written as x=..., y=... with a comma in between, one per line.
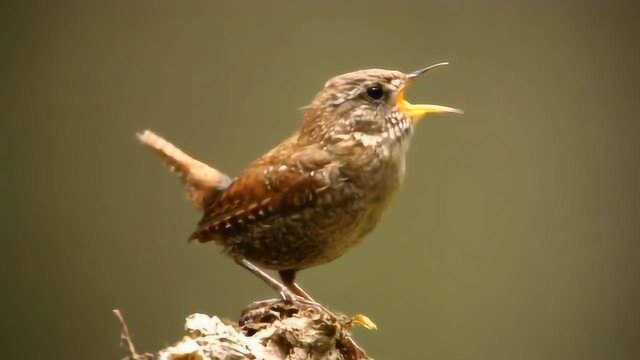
x=266, y=330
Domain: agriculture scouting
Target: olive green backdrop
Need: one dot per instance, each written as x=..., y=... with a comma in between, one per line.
x=514, y=237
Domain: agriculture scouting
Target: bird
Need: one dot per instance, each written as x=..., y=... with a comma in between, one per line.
x=320, y=191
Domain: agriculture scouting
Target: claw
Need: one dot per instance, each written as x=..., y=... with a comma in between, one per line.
x=290, y=298
x=287, y=296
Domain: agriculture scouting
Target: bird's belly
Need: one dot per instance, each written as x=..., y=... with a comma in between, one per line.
x=312, y=237
x=315, y=235
x=378, y=187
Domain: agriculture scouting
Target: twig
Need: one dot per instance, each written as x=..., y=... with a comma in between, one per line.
x=125, y=338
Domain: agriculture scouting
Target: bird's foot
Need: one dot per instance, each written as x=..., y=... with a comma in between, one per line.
x=289, y=297
x=292, y=300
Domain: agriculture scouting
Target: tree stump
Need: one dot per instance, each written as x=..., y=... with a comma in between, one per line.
x=266, y=330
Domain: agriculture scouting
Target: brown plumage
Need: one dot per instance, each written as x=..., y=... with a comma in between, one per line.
x=320, y=191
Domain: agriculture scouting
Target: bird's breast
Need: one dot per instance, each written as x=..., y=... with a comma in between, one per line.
x=376, y=168
x=380, y=162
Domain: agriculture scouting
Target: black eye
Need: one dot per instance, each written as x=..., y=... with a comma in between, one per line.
x=375, y=92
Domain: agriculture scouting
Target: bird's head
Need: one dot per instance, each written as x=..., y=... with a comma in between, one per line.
x=368, y=101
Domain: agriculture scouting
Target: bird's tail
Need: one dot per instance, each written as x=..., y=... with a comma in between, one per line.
x=202, y=182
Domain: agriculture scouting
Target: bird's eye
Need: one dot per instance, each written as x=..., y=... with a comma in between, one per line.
x=375, y=92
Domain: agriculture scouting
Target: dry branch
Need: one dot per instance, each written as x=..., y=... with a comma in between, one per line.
x=125, y=339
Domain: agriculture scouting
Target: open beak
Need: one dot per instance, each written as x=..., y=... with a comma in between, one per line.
x=418, y=112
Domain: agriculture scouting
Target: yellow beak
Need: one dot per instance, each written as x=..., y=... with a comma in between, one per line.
x=418, y=112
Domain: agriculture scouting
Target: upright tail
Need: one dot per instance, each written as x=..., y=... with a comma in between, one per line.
x=202, y=182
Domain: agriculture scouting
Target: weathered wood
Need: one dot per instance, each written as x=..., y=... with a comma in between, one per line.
x=266, y=330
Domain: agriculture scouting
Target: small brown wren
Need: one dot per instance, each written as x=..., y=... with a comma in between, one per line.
x=319, y=192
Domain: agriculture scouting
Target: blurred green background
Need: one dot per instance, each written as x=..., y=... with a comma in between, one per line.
x=516, y=235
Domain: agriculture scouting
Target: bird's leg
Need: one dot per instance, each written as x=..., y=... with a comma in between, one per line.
x=285, y=293
x=289, y=280
x=292, y=292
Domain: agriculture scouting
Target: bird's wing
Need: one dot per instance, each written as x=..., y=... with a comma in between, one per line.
x=273, y=186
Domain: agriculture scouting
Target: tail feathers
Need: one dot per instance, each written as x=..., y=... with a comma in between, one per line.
x=202, y=182
x=199, y=236
x=204, y=234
